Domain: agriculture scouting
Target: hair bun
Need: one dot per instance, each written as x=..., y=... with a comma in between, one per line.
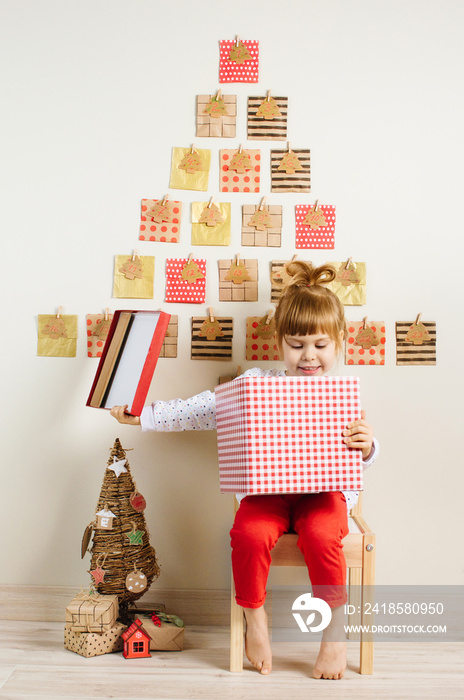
x=303, y=274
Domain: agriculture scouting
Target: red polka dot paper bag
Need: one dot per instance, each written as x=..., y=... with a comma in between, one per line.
x=160, y=220
x=365, y=343
x=238, y=61
x=315, y=228
x=261, y=344
x=240, y=171
x=98, y=326
x=285, y=435
x=185, y=280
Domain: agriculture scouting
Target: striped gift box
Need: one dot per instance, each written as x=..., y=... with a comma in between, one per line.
x=300, y=181
x=259, y=128
x=284, y=435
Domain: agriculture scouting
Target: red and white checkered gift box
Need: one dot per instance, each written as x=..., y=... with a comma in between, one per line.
x=284, y=435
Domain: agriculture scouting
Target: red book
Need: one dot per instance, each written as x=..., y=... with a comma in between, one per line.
x=129, y=359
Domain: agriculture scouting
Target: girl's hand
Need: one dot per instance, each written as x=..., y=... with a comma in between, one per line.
x=119, y=412
x=359, y=435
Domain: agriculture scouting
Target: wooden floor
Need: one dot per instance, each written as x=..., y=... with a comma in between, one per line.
x=34, y=664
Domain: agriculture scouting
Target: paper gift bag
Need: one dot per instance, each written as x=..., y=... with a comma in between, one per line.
x=238, y=280
x=315, y=226
x=93, y=644
x=240, y=171
x=238, y=61
x=186, y=280
x=160, y=222
x=285, y=435
x=57, y=335
x=169, y=346
x=133, y=276
x=261, y=225
x=291, y=170
x=202, y=234
x=164, y=637
x=216, y=115
x=212, y=338
x=261, y=344
x=416, y=343
x=92, y=612
x=365, y=343
x=98, y=326
x=350, y=282
x=190, y=169
x=279, y=277
x=267, y=118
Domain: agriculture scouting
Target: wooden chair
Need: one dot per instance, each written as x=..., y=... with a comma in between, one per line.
x=359, y=551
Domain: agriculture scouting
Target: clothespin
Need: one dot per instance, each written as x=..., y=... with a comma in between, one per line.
x=164, y=200
x=315, y=206
x=270, y=316
x=237, y=259
x=294, y=258
x=210, y=203
x=192, y=150
x=289, y=147
x=364, y=322
x=218, y=95
x=135, y=255
x=107, y=312
x=262, y=204
x=349, y=262
x=239, y=371
x=240, y=149
x=190, y=257
x=237, y=41
x=268, y=98
x=211, y=316
x=418, y=318
x=60, y=308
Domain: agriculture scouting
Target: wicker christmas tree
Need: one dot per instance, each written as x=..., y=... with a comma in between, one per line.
x=123, y=561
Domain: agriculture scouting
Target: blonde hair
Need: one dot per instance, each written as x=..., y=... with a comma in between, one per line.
x=307, y=307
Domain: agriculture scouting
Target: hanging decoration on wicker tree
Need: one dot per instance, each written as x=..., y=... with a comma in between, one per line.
x=121, y=555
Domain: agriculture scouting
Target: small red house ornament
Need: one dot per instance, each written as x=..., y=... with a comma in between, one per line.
x=136, y=641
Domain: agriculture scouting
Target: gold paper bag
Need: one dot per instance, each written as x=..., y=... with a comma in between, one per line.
x=202, y=234
x=137, y=283
x=57, y=335
x=195, y=180
x=350, y=283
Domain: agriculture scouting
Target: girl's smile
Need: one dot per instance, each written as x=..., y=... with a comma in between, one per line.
x=308, y=355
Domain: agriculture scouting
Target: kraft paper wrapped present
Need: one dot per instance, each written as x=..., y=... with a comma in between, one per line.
x=92, y=612
x=93, y=644
x=284, y=435
x=166, y=637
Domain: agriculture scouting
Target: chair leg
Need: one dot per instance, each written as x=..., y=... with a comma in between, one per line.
x=236, y=633
x=354, y=600
x=366, y=665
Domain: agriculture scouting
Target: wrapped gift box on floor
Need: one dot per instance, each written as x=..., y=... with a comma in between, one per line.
x=92, y=612
x=94, y=644
x=166, y=637
x=284, y=435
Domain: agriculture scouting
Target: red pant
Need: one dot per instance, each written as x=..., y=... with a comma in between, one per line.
x=320, y=520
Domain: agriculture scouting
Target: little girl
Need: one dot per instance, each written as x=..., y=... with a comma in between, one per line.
x=310, y=327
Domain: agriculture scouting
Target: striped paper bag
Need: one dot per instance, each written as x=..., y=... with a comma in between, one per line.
x=416, y=343
x=267, y=118
x=212, y=338
x=291, y=170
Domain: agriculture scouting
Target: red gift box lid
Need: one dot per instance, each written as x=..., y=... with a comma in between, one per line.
x=128, y=360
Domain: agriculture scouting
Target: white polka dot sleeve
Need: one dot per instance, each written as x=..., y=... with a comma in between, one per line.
x=196, y=413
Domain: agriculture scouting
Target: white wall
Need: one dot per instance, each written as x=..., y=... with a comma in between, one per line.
x=95, y=94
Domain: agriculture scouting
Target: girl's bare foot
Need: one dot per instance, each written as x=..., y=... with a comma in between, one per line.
x=331, y=661
x=257, y=645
